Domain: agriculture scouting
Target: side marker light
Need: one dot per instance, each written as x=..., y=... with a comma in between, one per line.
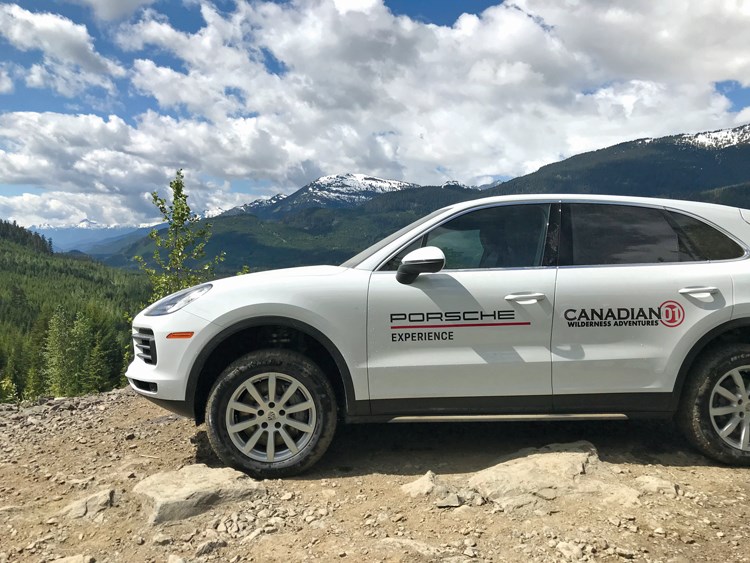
x=176, y=335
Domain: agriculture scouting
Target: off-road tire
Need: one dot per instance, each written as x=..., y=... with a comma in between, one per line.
x=231, y=403
x=694, y=415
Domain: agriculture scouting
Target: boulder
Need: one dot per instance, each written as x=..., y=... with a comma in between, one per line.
x=537, y=475
x=176, y=495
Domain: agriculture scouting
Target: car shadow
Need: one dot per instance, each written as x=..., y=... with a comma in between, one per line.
x=412, y=449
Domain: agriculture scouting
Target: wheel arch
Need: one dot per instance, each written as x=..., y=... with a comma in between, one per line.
x=737, y=330
x=204, y=372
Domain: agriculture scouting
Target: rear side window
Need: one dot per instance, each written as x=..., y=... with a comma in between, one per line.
x=703, y=241
x=601, y=234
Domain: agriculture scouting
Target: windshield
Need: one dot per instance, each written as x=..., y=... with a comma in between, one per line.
x=370, y=250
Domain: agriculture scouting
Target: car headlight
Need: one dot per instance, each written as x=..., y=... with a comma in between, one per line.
x=176, y=301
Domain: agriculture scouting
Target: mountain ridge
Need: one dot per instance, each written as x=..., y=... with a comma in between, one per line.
x=336, y=191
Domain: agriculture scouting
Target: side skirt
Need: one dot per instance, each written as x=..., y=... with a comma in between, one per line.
x=604, y=406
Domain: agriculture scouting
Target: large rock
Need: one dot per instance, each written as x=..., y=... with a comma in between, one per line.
x=421, y=487
x=653, y=484
x=89, y=506
x=180, y=494
x=535, y=475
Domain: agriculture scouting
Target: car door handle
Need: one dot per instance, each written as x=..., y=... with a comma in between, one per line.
x=699, y=290
x=526, y=298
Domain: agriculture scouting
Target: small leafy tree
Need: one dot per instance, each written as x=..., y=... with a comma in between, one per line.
x=8, y=391
x=185, y=243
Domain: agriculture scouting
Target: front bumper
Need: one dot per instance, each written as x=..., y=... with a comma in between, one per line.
x=166, y=379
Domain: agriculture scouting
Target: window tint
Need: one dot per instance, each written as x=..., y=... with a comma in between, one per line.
x=507, y=236
x=622, y=234
x=703, y=241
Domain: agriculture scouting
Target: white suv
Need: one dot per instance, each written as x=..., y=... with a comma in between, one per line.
x=550, y=306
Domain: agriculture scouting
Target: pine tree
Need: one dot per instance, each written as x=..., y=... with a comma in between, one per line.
x=94, y=370
x=36, y=386
x=80, y=345
x=15, y=369
x=58, y=364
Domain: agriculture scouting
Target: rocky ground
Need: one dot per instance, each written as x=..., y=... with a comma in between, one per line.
x=113, y=478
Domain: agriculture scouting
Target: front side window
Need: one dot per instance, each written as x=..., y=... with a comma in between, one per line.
x=603, y=234
x=507, y=236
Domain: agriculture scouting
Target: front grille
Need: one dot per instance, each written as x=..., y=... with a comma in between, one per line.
x=144, y=341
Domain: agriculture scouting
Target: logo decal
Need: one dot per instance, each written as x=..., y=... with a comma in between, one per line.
x=430, y=326
x=669, y=314
x=672, y=314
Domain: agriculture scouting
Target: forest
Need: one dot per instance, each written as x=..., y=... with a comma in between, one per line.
x=64, y=326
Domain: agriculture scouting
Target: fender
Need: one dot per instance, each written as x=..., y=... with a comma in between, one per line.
x=696, y=350
x=353, y=407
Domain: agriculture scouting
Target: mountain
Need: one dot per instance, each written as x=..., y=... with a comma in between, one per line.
x=720, y=139
x=340, y=191
x=257, y=207
x=82, y=236
x=679, y=166
x=312, y=235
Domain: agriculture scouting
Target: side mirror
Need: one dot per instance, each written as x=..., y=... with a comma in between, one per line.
x=427, y=260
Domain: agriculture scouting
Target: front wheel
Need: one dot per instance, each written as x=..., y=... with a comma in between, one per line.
x=271, y=414
x=715, y=410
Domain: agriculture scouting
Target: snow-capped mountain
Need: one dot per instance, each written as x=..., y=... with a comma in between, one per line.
x=720, y=139
x=350, y=188
x=333, y=192
x=710, y=166
x=82, y=235
x=85, y=223
x=255, y=206
x=343, y=190
x=457, y=184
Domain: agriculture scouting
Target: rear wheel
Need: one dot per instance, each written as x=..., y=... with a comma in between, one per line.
x=715, y=410
x=271, y=414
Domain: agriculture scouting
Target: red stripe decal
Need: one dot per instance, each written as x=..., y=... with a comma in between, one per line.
x=524, y=323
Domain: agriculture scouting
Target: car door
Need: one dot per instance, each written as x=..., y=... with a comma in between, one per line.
x=474, y=337
x=635, y=290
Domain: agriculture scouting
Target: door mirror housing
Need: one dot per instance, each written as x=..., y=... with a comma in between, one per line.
x=427, y=260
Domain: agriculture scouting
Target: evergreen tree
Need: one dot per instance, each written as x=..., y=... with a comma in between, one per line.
x=93, y=375
x=58, y=364
x=36, y=386
x=80, y=345
x=14, y=370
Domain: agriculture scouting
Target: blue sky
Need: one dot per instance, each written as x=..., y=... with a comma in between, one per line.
x=101, y=100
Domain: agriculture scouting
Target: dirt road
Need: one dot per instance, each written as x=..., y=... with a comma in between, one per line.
x=639, y=493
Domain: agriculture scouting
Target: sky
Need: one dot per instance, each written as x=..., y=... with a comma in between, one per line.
x=101, y=101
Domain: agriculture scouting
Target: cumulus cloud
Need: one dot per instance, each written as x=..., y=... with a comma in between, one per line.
x=100, y=168
x=280, y=93
x=6, y=82
x=70, y=64
x=523, y=83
